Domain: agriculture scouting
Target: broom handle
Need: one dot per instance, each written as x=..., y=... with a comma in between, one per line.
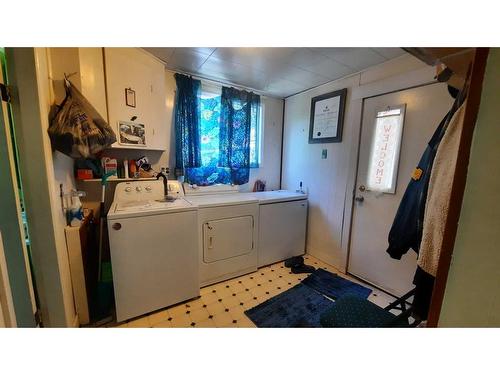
x=102, y=216
x=101, y=233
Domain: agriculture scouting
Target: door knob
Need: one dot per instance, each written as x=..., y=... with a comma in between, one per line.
x=362, y=188
x=117, y=226
x=359, y=199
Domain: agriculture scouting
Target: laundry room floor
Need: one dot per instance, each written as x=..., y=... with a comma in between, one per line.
x=223, y=304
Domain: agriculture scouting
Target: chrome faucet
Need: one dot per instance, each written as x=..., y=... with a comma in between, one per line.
x=164, y=174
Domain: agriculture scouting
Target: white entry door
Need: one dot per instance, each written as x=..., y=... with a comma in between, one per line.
x=395, y=130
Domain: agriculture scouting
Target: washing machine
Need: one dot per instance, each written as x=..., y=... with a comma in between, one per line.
x=228, y=223
x=154, y=247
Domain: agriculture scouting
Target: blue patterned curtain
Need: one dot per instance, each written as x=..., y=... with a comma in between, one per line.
x=187, y=123
x=209, y=173
x=237, y=107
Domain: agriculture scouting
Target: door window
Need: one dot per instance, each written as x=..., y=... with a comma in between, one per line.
x=384, y=154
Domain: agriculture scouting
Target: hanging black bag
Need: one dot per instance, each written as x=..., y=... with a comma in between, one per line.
x=77, y=129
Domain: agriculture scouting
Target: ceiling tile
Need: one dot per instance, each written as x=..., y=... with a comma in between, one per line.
x=186, y=60
x=164, y=54
x=232, y=72
x=283, y=87
x=331, y=69
x=203, y=50
x=390, y=52
x=262, y=59
x=355, y=58
x=304, y=57
x=298, y=75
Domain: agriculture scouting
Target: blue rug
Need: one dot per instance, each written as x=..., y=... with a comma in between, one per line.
x=302, y=305
x=299, y=306
x=334, y=286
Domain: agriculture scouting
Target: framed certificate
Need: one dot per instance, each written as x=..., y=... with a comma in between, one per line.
x=327, y=117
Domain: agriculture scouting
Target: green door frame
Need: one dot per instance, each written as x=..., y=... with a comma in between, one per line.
x=11, y=226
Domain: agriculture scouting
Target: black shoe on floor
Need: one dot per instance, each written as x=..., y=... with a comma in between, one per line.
x=303, y=268
x=294, y=261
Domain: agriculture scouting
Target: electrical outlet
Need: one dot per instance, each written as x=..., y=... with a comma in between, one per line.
x=324, y=153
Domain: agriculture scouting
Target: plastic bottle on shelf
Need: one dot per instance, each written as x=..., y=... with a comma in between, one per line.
x=76, y=212
x=125, y=166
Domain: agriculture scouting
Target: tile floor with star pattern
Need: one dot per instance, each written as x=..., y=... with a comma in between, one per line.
x=223, y=304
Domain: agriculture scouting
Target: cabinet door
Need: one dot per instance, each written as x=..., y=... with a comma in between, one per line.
x=134, y=69
x=282, y=231
x=159, y=139
x=227, y=238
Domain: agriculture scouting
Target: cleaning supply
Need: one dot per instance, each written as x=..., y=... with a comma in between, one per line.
x=75, y=211
x=125, y=167
x=84, y=174
x=110, y=166
x=300, y=189
x=132, y=172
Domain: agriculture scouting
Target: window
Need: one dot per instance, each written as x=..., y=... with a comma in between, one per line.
x=256, y=137
x=384, y=155
x=209, y=129
x=210, y=120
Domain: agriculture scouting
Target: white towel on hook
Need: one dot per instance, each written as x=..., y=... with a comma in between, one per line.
x=438, y=195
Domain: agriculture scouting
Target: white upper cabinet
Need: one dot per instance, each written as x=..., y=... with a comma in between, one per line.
x=85, y=69
x=134, y=69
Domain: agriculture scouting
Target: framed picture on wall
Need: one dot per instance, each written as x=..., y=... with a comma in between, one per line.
x=132, y=133
x=130, y=97
x=327, y=117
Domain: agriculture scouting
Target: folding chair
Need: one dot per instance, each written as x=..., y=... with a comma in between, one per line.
x=355, y=312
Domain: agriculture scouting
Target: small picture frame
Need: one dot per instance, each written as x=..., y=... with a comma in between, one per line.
x=130, y=97
x=327, y=117
x=132, y=133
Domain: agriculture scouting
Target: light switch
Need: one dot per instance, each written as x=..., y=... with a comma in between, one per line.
x=324, y=153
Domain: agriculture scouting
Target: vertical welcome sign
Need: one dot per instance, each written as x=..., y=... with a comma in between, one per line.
x=384, y=154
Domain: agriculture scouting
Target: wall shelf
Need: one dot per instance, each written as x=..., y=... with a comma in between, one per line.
x=120, y=179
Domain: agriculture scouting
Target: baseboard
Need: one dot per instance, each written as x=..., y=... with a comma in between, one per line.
x=326, y=258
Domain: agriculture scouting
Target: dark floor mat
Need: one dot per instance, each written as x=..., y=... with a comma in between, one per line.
x=299, y=306
x=334, y=286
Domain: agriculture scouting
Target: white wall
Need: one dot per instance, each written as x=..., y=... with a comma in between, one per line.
x=472, y=295
x=330, y=181
x=270, y=166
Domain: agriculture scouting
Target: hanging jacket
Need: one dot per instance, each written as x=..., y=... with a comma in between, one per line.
x=439, y=194
x=406, y=230
x=436, y=212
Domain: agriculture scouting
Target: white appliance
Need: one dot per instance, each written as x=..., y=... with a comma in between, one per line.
x=227, y=231
x=282, y=225
x=154, y=247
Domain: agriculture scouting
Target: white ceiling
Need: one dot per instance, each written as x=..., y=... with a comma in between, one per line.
x=277, y=72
